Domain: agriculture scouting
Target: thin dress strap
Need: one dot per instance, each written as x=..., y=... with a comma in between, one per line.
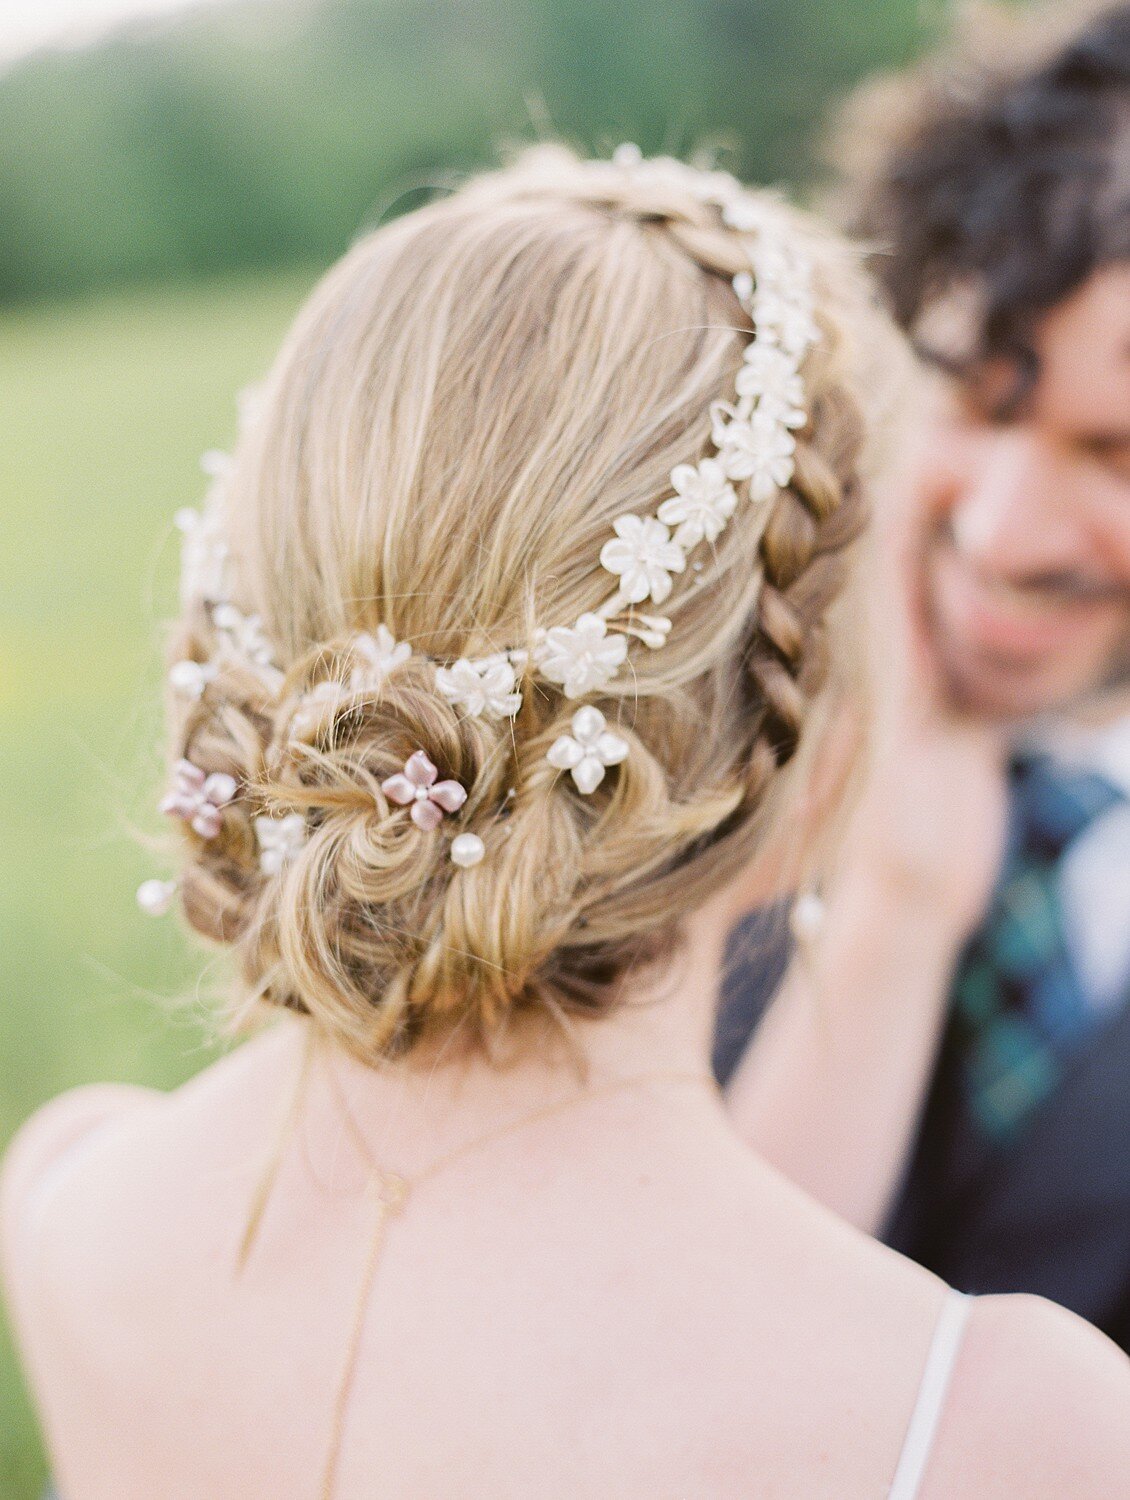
x=919, y=1439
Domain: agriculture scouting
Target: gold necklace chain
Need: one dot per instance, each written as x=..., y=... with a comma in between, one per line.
x=390, y=1191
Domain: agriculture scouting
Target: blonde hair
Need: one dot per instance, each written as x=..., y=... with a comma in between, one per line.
x=465, y=404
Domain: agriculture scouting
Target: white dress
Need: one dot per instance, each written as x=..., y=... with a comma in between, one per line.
x=919, y=1440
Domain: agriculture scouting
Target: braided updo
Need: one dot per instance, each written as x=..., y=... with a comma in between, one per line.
x=462, y=409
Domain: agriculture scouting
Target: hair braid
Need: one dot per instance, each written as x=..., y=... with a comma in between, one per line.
x=812, y=521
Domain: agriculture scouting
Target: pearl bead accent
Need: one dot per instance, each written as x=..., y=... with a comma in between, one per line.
x=156, y=896
x=467, y=849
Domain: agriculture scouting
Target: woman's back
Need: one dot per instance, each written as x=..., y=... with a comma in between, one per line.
x=616, y=1300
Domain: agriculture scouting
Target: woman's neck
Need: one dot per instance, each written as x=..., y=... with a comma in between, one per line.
x=411, y=1112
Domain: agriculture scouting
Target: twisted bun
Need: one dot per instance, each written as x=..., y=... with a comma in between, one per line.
x=468, y=401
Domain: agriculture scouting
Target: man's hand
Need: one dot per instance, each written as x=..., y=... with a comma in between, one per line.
x=930, y=821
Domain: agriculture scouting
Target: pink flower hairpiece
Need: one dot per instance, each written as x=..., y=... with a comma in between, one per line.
x=417, y=786
x=197, y=798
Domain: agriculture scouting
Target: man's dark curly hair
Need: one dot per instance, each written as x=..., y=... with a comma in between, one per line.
x=1007, y=185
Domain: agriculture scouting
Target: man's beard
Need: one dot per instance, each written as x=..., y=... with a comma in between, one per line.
x=983, y=684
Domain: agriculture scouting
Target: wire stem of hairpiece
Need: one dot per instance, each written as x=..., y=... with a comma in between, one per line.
x=271, y=1171
x=652, y=630
x=614, y=605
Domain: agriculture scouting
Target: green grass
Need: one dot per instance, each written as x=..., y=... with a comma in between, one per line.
x=105, y=408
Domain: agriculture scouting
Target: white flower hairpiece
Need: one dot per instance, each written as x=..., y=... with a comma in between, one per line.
x=588, y=750
x=380, y=654
x=703, y=502
x=581, y=658
x=279, y=840
x=481, y=688
x=243, y=638
x=644, y=556
x=243, y=634
x=204, y=554
x=190, y=678
x=754, y=444
x=318, y=703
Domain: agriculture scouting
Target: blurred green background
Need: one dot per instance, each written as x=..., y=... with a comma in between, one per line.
x=166, y=198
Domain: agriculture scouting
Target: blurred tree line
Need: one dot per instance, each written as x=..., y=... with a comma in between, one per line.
x=264, y=132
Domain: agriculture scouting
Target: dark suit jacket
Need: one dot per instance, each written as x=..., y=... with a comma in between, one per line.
x=1048, y=1214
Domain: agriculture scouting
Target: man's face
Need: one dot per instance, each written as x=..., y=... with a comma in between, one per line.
x=1028, y=567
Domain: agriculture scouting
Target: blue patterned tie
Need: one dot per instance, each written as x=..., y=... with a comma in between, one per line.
x=1020, y=1009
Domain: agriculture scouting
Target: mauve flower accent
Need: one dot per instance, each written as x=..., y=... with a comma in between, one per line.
x=197, y=799
x=449, y=794
x=429, y=798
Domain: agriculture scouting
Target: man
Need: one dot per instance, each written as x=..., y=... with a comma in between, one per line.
x=999, y=199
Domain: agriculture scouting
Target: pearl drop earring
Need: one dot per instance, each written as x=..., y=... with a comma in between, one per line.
x=806, y=918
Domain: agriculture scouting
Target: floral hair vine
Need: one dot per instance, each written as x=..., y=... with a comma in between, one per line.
x=754, y=444
x=753, y=441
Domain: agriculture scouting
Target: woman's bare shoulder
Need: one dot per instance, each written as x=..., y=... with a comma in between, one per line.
x=47, y=1150
x=99, y=1169
x=48, y=1141
x=1039, y=1406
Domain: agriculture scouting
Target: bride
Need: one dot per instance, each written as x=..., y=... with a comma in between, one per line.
x=509, y=648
